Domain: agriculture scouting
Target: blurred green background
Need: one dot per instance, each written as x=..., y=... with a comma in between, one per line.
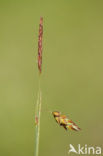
x=72, y=78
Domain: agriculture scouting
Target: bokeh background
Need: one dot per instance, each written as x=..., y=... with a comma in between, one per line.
x=72, y=78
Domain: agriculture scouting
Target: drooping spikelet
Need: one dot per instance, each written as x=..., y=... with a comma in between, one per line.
x=40, y=45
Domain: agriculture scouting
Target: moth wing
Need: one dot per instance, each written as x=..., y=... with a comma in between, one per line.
x=73, y=125
x=63, y=120
x=63, y=116
x=57, y=120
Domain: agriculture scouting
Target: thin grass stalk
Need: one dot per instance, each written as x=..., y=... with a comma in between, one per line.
x=37, y=115
x=39, y=99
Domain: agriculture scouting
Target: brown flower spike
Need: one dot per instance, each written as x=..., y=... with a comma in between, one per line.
x=36, y=120
x=40, y=44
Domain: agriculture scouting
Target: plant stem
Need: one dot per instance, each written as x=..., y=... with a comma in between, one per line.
x=38, y=105
x=38, y=114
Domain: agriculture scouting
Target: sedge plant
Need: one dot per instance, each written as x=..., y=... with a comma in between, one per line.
x=38, y=104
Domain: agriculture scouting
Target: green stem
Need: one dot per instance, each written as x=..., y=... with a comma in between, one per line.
x=38, y=114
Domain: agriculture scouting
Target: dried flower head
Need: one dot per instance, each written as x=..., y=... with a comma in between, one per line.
x=40, y=44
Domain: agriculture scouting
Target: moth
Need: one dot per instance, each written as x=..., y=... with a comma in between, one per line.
x=63, y=121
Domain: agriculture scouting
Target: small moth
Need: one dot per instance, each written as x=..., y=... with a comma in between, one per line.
x=63, y=120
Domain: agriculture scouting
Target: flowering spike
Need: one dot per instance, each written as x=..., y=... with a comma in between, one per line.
x=36, y=120
x=40, y=44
